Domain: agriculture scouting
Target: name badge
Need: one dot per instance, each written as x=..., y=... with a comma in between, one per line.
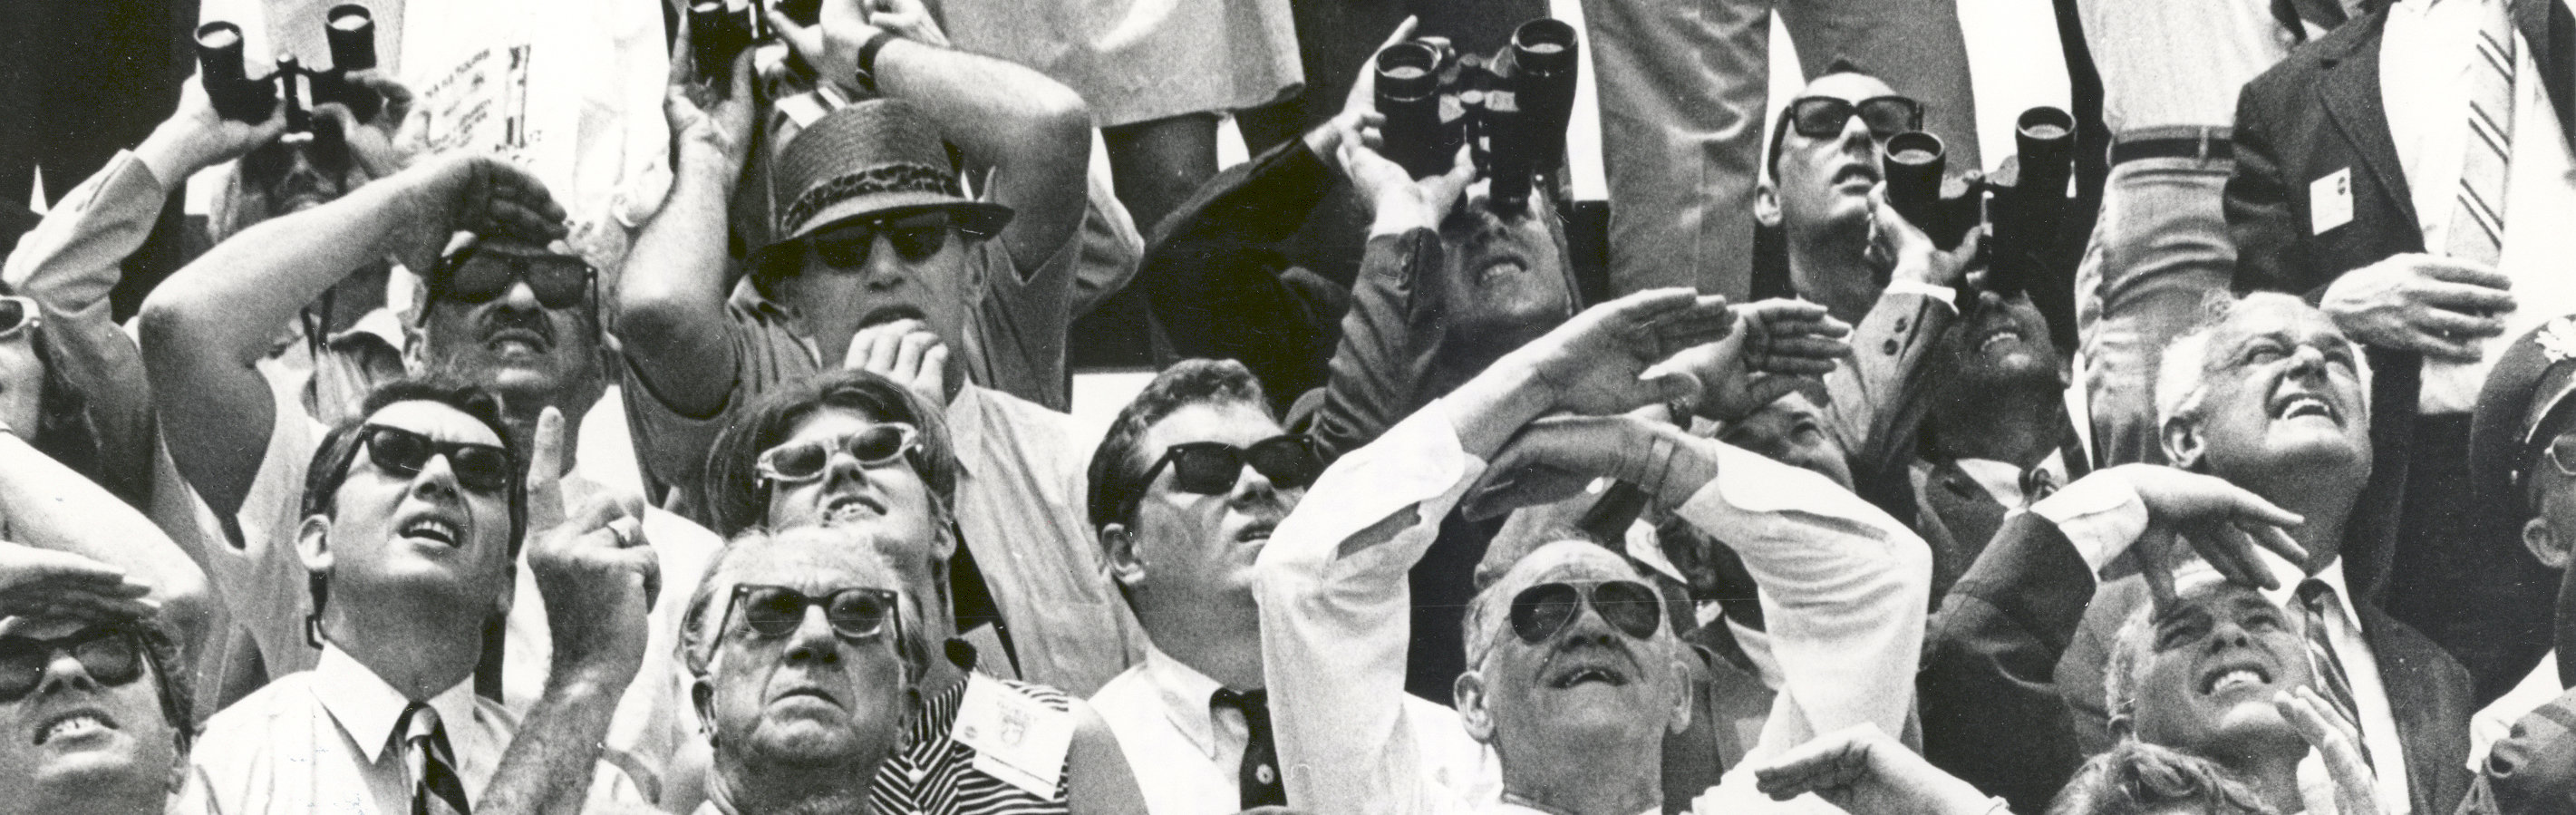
x=2330, y=201
x=1016, y=738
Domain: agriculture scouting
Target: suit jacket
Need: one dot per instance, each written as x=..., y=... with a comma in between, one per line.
x=2429, y=693
x=1957, y=516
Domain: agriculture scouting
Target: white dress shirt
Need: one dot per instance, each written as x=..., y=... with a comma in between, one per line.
x=2103, y=516
x=324, y=740
x=2494, y=722
x=2424, y=59
x=1844, y=588
x=1188, y=753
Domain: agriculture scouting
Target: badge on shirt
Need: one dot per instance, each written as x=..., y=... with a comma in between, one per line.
x=1016, y=738
x=2330, y=201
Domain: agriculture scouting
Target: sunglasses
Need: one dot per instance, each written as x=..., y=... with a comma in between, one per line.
x=1821, y=117
x=110, y=656
x=19, y=315
x=2561, y=455
x=475, y=276
x=856, y=615
x=1543, y=610
x=1211, y=467
x=482, y=468
x=875, y=446
x=846, y=246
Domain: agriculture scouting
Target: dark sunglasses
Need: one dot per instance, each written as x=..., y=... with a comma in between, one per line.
x=108, y=655
x=1543, y=610
x=2561, y=455
x=845, y=246
x=482, y=468
x=856, y=615
x=1211, y=467
x=475, y=276
x=18, y=315
x=808, y=460
x=1822, y=117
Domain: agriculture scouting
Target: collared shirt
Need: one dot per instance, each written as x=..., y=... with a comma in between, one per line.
x=2102, y=517
x=334, y=385
x=1187, y=754
x=2425, y=57
x=1844, y=590
x=324, y=740
x=943, y=769
x=2178, y=63
x=69, y=263
x=2494, y=722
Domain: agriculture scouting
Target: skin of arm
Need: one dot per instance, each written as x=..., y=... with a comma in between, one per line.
x=48, y=506
x=1097, y=779
x=671, y=299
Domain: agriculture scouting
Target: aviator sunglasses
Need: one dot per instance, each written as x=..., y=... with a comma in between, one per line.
x=1543, y=610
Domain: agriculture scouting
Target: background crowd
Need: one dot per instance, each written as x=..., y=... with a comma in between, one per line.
x=630, y=406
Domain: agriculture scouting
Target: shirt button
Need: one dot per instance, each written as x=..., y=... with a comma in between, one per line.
x=1889, y=347
x=1263, y=774
x=1900, y=323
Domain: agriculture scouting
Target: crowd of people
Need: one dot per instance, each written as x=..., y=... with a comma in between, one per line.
x=2229, y=467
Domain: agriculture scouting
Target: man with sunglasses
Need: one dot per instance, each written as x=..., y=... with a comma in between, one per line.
x=97, y=711
x=1823, y=162
x=1574, y=674
x=1182, y=534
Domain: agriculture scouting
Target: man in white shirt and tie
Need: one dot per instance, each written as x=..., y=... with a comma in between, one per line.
x=1185, y=490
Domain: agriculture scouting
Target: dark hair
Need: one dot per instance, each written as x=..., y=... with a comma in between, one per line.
x=178, y=694
x=733, y=494
x=339, y=449
x=1116, y=463
x=2136, y=778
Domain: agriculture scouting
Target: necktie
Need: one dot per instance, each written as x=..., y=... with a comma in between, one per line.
x=435, y=789
x=1259, y=778
x=2316, y=600
x=2477, y=218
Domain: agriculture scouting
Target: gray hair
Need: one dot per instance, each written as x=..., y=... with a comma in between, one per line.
x=2182, y=371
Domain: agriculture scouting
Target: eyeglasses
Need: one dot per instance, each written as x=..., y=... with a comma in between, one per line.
x=1821, y=117
x=475, y=276
x=2562, y=455
x=108, y=655
x=877, y=445
x=1212, y=467
x=19, y=315
x=480, y=467
x=1543, y=610
x=856, y=614
x=845, y=247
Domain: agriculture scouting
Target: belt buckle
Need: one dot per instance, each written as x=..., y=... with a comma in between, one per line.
x=2203, y=155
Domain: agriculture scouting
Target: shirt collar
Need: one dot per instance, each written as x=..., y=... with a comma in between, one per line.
x=1188, y=697
x=2287, y=596
x=368, y=708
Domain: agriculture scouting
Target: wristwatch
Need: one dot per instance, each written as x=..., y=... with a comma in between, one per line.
x=867, y=73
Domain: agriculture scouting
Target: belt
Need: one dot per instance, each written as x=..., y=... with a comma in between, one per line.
x=2212, y=147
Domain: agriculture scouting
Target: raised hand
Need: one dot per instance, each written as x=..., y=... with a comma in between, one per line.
x=832, y=44
x=1598, y=363
x=906, y=352
x=2435, y=306
x=45, y=583
x=1863, y=771
x=196, y=137
x=379, y=144
x=1911, y=254
x=1775, y=345
x=1555, y=458
x=2337, y=741
x=462, y=192
x=699, y=112
x=2225, y=523
x=909, y=19
x=593, y=567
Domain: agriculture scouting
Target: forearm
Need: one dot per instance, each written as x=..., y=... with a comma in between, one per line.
x=548, y=767
x=48, y=506
x=1033, y=132
x=671, y=299
x=228, y=304
x=72, y=259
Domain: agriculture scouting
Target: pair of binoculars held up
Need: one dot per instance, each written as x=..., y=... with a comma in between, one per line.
x=1511, y=107
x=719, y=31
x=351, y=32
x=2024, y=201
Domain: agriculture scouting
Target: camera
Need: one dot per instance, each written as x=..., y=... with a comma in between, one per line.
x=351, y=32
x=2023, y=201
x=1511, y=107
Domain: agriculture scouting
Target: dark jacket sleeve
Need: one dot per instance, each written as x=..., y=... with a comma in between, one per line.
x=1987, y=691
x=1383, y=354
x=2262, y=212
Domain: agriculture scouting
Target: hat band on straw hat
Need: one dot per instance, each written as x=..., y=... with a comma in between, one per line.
x=878, y=180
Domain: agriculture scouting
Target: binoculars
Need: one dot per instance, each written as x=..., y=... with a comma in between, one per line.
x=718, y=32
x=351, y=32
x=1510, y=108
x=2024, y=201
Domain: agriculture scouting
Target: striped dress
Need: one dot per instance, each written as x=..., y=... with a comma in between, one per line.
x=935, y=774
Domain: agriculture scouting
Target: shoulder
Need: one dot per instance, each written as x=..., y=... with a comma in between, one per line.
x=1125, y=694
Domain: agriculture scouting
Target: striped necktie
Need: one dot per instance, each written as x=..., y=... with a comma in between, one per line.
x=2316, y=602
x=2477, y=219
x=435, y=789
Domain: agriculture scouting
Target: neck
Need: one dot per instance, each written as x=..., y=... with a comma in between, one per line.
x=2015, y=425
x=1219, y=638
x=2272, y=772
x=2322, y=497
x=103, y=794
x=1827, y=264
x=1579, y=781
x=750, y=786
x=420, y=655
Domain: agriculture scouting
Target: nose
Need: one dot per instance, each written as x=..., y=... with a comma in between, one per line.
x=885, y=268
x=64, y=672
x=2228, y=633
x=520, y=296
x=844, y=466
x=2308, y=359
x=437, y=478
x=1856, y=132
x=813, y=640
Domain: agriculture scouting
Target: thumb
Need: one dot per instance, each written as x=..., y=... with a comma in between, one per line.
x=1674, y=386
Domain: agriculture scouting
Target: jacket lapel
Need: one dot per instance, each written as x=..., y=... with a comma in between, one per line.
x=2349, y=87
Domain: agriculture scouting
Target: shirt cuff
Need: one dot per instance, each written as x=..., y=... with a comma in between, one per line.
x=2100, y=516
x=1945, y=295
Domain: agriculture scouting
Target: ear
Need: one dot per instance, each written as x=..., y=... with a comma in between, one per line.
x=1683, y=697
x=313, y=543
x=2182, y=443
x=1766, y=204
x=2544, y=543
x=415, y=352
x=702, y=696
x=1119, y=545
x=1469, y=693
x=2122, y=727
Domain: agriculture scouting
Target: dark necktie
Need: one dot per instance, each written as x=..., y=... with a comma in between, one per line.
x=435, y=788
x=2316, y=599
x=1259, y=778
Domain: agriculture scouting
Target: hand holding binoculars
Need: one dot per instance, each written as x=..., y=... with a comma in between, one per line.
x=2024, y=201
x=351, y=32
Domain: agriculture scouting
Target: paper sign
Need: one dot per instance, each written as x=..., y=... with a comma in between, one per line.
x=2330, y=201
x=1016, y=738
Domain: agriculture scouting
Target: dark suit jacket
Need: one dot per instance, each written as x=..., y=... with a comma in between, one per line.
x=2429, y=694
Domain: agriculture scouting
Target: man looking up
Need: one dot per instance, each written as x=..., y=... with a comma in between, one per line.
x=1823, y=162
x=1186, y=488
x=879, y=261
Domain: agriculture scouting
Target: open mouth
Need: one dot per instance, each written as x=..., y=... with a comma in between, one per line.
x=2229, y=678
x=75, y=724
x=1860, y=171
x=1580, y=674
x=1998, y=337
x=516, y=339
x=1256, y=531
x=890, y=314
x=851, y=506
x=2299, y=405
x=437, y=530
